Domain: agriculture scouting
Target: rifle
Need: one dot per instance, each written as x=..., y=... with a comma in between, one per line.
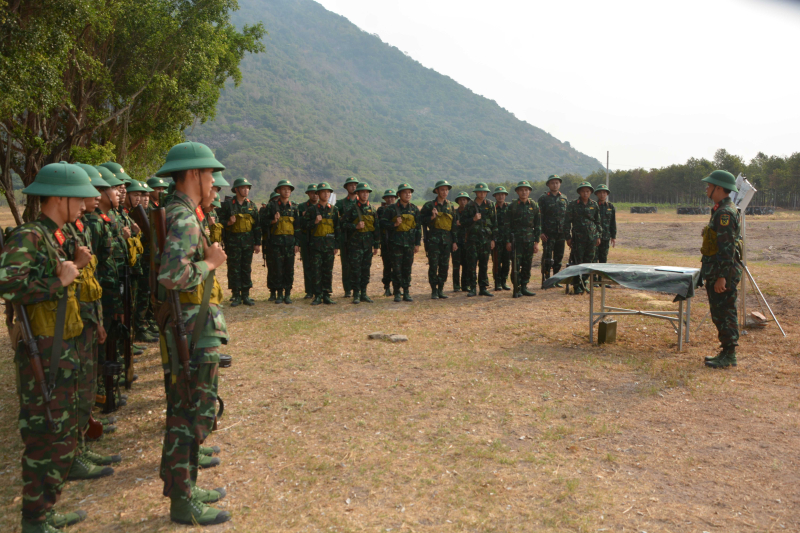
x=139, y=216
x=125, y=328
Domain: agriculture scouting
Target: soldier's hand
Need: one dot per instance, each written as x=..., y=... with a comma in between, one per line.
x=82, y=256
x=544, y=237
x=101, y=334
x=136, y=228
x=416, y=249
x=536, y=247
x=434, y=213
x=360, y=225
x=232, y=220
x=455, y=247
x=477, y=217
x=492, y=244
x=458, y=222
x=508, y=246
x=719, y=286
x=597, y=243
x=215, y=256
x=126, y=232
x=613, y=243
x=318, y=219
x=257, y=249
x=67, y=272
x=398, y=221
x=569, y=243
x=277, y=216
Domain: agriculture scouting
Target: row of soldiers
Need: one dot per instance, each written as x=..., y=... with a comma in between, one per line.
x=467, y=231
x=79, y=281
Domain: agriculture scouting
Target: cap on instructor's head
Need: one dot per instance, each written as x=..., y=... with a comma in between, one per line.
x=723, y=178
x=188, y=156
x=62, y=179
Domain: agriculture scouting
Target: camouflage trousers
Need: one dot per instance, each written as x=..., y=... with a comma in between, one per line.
x=141, y=302
x=438, y=262
x=360, y=264
x=346, y=267
x=724, y=313
x=478, y=253
x=240, y=250
x=583, y=252
x=524, y=261
x=322, y=257
x=402, y=261
x=386, y=261
x=86, y=345
x=190, y=418
x=553, y=251
x=503, y=263
x=48, y=453
x=459, y=261
x=281, y=267
x=308, y=278
x=602, y=251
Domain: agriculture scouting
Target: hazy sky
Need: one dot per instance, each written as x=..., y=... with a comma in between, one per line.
x=653, y=82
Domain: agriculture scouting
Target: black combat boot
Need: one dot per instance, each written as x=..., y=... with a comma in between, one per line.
x=434, y=292
x=356, y=297
x=525, y=292
x=347, y=294
x=287, y=296
x=497, y=285
x=387, y=291
x=326, y=299
x=271, y=295
x=440, y=290
x=279, y=296
x=236, y=299
x=317, y=299
x=406, y=296
x=504, y=285
x=308, y=296
x=364, y=297
x=246, y=300
x=485, y=292
x=471, y=292
x=397, y=296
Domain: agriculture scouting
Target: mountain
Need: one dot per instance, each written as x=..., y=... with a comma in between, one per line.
x=328, y=100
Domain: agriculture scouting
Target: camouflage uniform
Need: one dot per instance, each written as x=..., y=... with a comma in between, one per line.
x=386, y=260
x=478, y=240
x=281, y=243
x=501, y=255
x=341, y=205
x=323, y=239
x=360, y=242
x=242, y=237
x=582, y=224
x=523, y=226
x=460, y=282
x=440, y=234
x=301, y=237
x=553, y=208
x=608, y=230
x=402, y=240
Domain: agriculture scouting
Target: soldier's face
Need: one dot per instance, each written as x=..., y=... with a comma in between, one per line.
x=285, y=192
x=243, y=191
x=462, y=202
x=405, y=196
x=71, y=209
x=442, y=193
x=91, y=204
x=113, y=196
x=121, y=192
x=481, y=196
x=500, y=197
x=312, y=196
x=363, y=196
x=710, y=190
x=145, y=201
x=602, y=196
x=323, y=196
x=133, y=199
x=523, y=193
x=350, y=188
x=389, y=200
x=585, y=193
x=554, y=185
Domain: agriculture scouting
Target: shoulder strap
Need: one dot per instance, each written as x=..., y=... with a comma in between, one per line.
x=202, y=314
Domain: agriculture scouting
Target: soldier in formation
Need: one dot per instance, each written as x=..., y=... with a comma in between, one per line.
x=608, y=223
x=583, y=230
x=523, y=227
x=280, y=223
x=402, y=222
x=350, y=185
x=460, y=282
x=322, y=224
x=501, y=256
x=480, y=224
x=553, y=209
x=362, y=238
x=389, y=198
x=437, y=218
x=243, y=238
x=302, y=240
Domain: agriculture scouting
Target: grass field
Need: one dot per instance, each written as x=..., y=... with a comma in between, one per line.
x=496, y=415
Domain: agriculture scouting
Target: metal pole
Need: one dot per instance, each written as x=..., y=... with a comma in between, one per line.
x=688, y=316
x=753, y=281
x=680, y=325
x=743, y=291
x=591, y=308
x=607, y=158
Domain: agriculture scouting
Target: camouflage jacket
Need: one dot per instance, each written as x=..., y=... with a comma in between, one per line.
x=329, y=213
x=398, y=237
x=608, y=221
x=80, y=234
x=384, y=232
x=461, y=232
x=445, y=211
x=124, y=217
x=582, y=221
x=553, y=209
x=105, y=244
x=231, y=208
x=341, y=205
x=269, y=226
x=503, y=235
x=363, y=237
x=483, y=230
x=721, y=243
x=523, y=221
x=301, y=235
x=182, y=267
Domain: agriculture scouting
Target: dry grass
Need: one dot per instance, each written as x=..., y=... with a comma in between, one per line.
x=497, y=415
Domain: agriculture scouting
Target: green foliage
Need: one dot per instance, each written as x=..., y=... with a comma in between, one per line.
x=329, y=101
x=93, y=154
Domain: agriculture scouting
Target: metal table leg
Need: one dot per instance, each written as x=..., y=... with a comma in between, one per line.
x=680, y=325
x=591, y=310
x=688, y=317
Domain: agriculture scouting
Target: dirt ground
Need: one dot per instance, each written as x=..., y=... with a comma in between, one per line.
x=496, y=415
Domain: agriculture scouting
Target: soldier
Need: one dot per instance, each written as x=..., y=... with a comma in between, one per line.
x=350, y=185
x=500, y=255
x=140, y=270
x=721, y=269
x=460, y=282
x=187, y=266
x=302, y=239
x=37, y=275
x=271, y=282
x=480, y=224
x=582, y=226
x=523, y=227
x=216, y=230
x=240, y=217
x=159, y=186
x=279, y=222
x=403, y=224
x=360, y=224
x=322, y=223
x=389, y=197
x=440, y=237
x=608, y=223
x=553, y=207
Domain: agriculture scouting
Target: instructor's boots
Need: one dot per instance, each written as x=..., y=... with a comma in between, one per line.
x=58, y=520
x=440, y=291
x=38, y=527
x=279, y=296
x=387, y=291
x=406, y=296
x=525, y=292
x=287, y=297
x=190, y=512
x=317, y=300
x=326, y=299
x=364, y=297
x=208, y=495
x=236, y=299
x=82, y=468
x=246, y=300
x=725, y=359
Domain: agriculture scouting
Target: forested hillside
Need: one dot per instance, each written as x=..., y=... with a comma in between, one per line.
x=327, y=100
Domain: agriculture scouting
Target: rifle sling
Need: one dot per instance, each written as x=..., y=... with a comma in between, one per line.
x=200, y=321
x=58, y=338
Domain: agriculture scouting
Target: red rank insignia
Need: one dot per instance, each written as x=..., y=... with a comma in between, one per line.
x=79, y=224
x=60, y=237
x=199, y=212
x=125, y=209
x=105, y=217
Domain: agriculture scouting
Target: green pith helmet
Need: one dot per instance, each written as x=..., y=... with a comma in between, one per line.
x=311, y=188
x=499, y=190
x=94, y=175
x=363, y=186
x=602, y=187
x=189, y=155
x=273, y=195
x=555, y=177
x=62, y=179
x=389, y=192
x=463, y=194
x=584, y=184
x=523, y=183
x=241, y=182
x=108, y=176
x=351, y=179
x=481, y=187
x=324, y=186
x=723, y=178
x=284, y=183
x=118, y=171
x=147, y=188
x=215, y=202
x=135, y=186
x=442, y=183
x=157, y=183
x=219, y=181
x=404, y=187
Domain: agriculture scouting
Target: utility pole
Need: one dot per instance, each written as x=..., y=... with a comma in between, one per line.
x=607, y=157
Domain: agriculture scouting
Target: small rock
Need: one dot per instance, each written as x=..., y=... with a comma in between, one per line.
x=398, y=338
x=378, y=335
